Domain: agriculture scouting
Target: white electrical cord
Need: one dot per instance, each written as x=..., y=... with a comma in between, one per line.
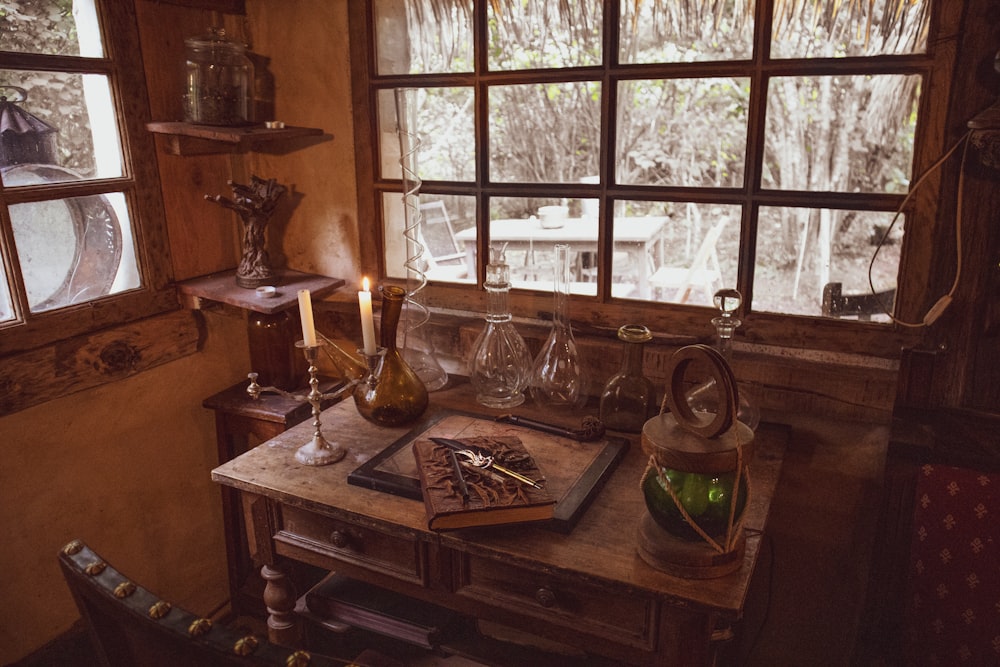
x=941, y=304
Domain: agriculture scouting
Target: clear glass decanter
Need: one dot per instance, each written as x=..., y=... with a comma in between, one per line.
x=556, y=376
x=500, y=364
x=704, y=397
x=629, y=398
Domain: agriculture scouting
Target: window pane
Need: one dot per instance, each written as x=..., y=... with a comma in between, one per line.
x=537, y=34
x=800, y=250
x=436, y=247
x=67, y=28
x=73, y=250
x=60, y=118
x=546, y=132
x=835, y=30
x=677, y=252
x=442, y=120
x=423, y=36
x=682, y=132
x=673, y=32
x=840, y=133
x=529, y=229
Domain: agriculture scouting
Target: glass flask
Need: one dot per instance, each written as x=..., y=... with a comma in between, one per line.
x=500, y=364
x=629, y=398
x=219, y=81
x=392, y=394
x=704, y=397
x=556, y=376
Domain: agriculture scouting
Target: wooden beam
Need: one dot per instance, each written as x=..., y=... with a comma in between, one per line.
x=81, y=363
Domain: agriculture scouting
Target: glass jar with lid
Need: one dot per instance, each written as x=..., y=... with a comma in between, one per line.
x=219, y=80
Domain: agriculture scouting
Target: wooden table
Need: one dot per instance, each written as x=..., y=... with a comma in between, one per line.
x=240, y=424
x=639, y=238
x=588, y=588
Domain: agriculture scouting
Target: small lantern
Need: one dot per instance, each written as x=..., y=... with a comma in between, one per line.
x=24, y=138
x=696, y=484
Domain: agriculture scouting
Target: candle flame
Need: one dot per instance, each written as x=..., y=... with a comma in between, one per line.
x=365, y=285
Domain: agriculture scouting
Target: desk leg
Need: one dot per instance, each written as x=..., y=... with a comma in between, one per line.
x=283, y=626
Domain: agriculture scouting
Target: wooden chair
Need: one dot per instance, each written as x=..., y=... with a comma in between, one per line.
x=439, y=234
x=703, y=273
x=132, y=627
x=861, y=306
x=934, y=585
x=444, y=256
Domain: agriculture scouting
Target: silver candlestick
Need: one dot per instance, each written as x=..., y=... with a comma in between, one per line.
x=318, y=451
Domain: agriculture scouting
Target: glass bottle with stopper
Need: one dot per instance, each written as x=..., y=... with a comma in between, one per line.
x=628, y=399
x=500, y=364
x=703, y=397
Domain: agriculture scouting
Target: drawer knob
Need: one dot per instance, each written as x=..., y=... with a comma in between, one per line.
x=340, y=539
x=545, y=597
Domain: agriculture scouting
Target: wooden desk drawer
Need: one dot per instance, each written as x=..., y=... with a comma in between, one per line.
x=587, y=608
x=346, y=542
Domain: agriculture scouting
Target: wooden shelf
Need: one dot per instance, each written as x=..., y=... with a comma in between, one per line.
x=191, y=139
x=222, y=288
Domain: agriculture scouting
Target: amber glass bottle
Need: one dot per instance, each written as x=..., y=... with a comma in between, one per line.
x=393, y=394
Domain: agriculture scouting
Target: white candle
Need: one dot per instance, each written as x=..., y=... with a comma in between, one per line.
x=306, y=313
x=367, y=321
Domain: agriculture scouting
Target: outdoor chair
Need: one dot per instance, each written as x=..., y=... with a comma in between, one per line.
x=131, y=627
x=703, y=273
x=444, y=258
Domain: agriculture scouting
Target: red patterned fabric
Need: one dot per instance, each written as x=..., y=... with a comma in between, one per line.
x=953, y=610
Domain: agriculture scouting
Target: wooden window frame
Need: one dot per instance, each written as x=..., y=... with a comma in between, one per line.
x=139, y=182
x=919, y=278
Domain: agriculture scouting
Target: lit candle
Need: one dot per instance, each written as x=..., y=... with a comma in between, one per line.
x=306, y=313
x=367, y=321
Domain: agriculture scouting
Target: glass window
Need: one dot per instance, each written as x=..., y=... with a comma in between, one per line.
x=544, y=133
x=682, y=132
x=678, y=147
x=73, y=208
x=536, y=35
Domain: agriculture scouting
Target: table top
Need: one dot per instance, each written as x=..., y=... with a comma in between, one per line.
x=601, y=548
x=626, y=230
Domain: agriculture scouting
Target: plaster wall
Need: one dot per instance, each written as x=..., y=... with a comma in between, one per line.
x=126, y=468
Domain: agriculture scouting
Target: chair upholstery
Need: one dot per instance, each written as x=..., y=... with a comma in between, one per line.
x=934, y=586
x=132, y=627
x=952, y=605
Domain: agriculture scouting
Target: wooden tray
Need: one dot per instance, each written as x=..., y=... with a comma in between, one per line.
x=575, y=471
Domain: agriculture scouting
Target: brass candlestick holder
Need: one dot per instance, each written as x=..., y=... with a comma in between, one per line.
x=318, y=451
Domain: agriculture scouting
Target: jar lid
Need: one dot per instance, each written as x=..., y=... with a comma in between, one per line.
x=677, y=448
x=214, y=39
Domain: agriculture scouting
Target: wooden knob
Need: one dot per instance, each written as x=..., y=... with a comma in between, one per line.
x=545, y=597
x=340, y=539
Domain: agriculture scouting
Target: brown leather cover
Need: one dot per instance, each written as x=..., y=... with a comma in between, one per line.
x=493, y=498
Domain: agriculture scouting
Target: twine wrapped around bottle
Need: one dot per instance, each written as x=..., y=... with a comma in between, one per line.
x=703, y=450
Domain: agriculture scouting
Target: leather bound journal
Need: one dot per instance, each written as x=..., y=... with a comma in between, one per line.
x=459, y=494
